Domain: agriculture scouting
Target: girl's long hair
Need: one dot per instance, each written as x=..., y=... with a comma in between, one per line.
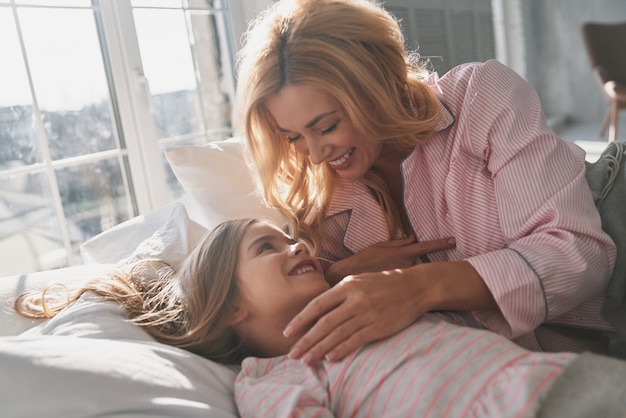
x=190, y=309
x=352, y=49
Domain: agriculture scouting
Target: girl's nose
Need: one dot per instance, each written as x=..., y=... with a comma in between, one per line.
x=298, y=248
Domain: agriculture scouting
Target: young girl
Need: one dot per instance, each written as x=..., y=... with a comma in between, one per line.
x=238, y=289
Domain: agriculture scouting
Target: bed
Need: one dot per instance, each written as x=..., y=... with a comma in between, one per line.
x=90, y=361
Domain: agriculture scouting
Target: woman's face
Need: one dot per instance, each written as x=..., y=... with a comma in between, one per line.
x=277, y=277
x=318, y=126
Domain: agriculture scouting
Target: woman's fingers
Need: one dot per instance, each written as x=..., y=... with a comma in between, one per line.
x=343, y=339
x=402, y=242
x=420, y=249
x=332, y=317
x=317, y=308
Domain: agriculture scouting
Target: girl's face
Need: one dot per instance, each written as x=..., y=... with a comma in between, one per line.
x=277, y=277
x=317, y=125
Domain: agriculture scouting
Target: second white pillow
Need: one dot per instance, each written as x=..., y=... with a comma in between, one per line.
x=218, y=180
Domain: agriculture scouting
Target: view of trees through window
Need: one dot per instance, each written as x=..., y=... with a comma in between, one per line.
x=87, y=106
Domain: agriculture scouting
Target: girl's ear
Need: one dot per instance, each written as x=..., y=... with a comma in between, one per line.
x=238, y=317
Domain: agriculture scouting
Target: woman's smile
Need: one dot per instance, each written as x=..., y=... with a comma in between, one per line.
x=340, y=163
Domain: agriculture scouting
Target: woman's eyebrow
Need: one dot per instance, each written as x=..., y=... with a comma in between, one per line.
x=311, y=123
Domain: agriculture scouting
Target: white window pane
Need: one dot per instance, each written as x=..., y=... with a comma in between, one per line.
x=13, y=80
x=94, y=197
x=68, y=3
x=165, y=51
x=30, y=235
x=17, y=129
x=168, y=66
x=64, y=56
x=68, y=75
x=202, y=4
x=210, y=56
x=17, y=136
x=157, y=3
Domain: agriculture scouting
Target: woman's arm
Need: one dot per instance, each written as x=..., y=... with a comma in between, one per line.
x=556, y=255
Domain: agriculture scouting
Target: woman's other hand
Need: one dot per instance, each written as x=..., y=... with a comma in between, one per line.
x=396, y=254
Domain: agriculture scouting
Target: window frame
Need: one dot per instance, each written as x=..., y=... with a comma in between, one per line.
x=139, y=150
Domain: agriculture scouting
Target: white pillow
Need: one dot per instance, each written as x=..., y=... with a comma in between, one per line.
x=90, y=360
x=119, y=242
x=173, y=241
x=64, y=376
x=90, y=317
x=10, y=287
x=218, y=180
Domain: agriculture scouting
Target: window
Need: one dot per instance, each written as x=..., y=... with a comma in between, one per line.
x=91, y=93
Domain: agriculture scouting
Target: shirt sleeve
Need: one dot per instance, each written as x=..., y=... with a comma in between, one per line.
x=281, y=387
x=557, y=255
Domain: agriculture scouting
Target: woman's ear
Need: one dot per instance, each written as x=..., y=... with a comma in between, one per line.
x=239, y=316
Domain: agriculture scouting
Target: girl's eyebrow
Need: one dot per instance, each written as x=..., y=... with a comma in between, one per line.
x=312, y=122
x=266, y=237
x=256, y=240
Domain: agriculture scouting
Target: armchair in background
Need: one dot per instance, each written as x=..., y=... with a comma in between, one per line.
x=606, y=47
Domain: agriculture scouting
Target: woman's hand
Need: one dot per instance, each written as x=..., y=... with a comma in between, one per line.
x=359, y=309
x=396, y=254
x=367, y=307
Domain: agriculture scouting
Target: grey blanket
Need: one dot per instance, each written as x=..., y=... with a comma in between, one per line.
x=592, y=386
x=607, y=179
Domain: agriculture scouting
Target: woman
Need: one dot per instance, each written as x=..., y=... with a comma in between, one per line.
x=357, y=143
x=238, y=289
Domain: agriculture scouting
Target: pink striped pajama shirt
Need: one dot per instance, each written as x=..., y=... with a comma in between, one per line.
x=514, y=196
x=431, y=369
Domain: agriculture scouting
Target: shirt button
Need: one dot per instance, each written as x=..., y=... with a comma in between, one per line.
x=576, y=316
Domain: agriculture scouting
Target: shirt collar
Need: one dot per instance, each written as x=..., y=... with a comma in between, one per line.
x=447, y=118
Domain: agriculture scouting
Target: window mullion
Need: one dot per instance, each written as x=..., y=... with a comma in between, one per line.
x=45, y=150
x=133, y=98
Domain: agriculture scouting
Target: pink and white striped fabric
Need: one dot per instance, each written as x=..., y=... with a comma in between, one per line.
x=431, y=369
x=514, y=196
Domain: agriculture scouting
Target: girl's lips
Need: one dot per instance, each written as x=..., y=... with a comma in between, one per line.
x=305, y=266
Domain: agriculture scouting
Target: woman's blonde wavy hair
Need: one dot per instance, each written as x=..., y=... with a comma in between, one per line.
x=191, y=309
x=354, y=50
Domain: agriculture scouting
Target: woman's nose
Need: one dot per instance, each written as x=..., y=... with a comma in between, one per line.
x=317, y=150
